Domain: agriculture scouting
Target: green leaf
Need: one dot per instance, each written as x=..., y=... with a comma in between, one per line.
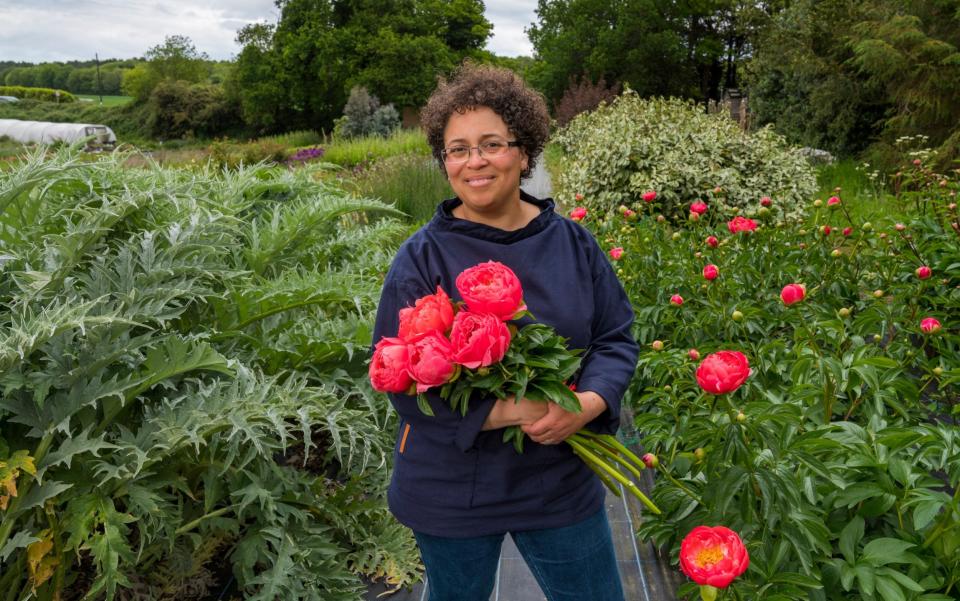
x=889, y=590
x=881, y=551
x=849, y=537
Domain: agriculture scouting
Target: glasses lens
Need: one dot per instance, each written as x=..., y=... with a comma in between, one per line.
x=492, y=148
x=456, y=154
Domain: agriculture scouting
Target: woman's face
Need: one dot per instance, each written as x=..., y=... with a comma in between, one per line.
x=485, y=184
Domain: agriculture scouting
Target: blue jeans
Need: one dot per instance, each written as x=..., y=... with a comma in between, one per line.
x=572, y=563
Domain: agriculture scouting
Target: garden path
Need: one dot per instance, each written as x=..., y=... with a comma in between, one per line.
x=538, y=184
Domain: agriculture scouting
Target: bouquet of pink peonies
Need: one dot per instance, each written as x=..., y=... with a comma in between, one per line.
x=470, y=348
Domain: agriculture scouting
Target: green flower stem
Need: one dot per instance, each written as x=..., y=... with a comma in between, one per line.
x=680, y=485
x=594, y=461
x=616, y=444
x=604, y=451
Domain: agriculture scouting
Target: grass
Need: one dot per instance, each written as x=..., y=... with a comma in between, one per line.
x=367, y=150
x=107, y=100
x=865, y=197
x=412, y=182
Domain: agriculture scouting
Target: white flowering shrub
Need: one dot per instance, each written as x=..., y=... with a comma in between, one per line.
x=615, y=154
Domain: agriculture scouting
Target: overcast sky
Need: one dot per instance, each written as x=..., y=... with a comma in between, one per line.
x=56, y=30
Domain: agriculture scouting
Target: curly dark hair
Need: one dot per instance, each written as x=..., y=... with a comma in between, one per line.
x=502, y=91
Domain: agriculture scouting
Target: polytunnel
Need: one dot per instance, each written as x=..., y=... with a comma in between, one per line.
x=43, y=132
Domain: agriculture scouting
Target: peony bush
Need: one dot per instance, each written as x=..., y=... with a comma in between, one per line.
x=619, y=153
x=805, y=394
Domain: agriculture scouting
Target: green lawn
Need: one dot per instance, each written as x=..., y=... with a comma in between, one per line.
x=107, y=100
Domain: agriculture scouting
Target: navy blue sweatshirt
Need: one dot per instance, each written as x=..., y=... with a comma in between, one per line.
x=452, y=479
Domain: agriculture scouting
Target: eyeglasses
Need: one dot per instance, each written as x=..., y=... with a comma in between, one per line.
x=489, y=149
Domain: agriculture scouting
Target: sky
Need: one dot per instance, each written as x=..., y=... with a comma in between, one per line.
x=60, y=30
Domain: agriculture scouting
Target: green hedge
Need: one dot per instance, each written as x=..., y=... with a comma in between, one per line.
x=613, y=155
x=46, y=94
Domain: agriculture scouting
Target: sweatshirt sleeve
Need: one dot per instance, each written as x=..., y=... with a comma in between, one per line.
x=611, y=358
x=401, y=288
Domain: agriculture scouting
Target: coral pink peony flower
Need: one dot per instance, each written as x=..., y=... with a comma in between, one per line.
x=833, y=201
x=713, y=556
x=676, y=300
x=723, y=372
x=389, y=367
x=616, y=253
x=710, y=272
x=491, y=287
x=578, y=214
x=924, y=272
x=930, y=325
x=712, y=241
x=698, y=207
x=649, y=196
x=765, y=201
x=433, y=312
x=741, y=224
x=793, y=293
x=478, y=339
x=431, y=360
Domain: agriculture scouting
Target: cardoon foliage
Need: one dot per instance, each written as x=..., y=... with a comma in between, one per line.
x=181, y=387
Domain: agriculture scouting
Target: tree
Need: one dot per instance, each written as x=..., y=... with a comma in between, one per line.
x=304, y=68
x=658, y=47
x=177, y=59
x=844, y=76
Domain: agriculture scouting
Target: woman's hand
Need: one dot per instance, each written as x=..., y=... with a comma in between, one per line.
x=507, y=412
x=558, y=423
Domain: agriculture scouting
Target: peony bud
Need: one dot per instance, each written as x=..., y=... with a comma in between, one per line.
x=818, y=203
x=833, y=202
x=899, y=227
x=578, y=214
x=675, y=236
x=844, y=312
x=741, y=417
x=661, y=218
x=835, y=253
x=793, y=293
x=712, y=241
x=938, y=371
x=578, y=197
x=649, y=196
x=867, y=226
x=616, y=252
x=878, y=293
x=825, y=230
x=698, y=207
x=676, y=300
x=694, y=354
x=657, y=345
x=736, y=316
x=923, y=272
x=847, y=231
x=929, y=325
x=710, y=272
x=699, y=454
x=650, y=460
x=765, y=201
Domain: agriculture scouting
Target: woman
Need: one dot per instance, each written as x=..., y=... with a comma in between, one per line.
x=455, y=482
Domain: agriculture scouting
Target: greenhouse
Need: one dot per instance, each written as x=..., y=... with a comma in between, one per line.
x=42, y=132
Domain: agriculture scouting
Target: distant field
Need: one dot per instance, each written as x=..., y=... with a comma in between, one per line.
x=107, y=100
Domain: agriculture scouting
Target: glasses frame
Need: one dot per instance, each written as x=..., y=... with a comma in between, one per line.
x=470, y=149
